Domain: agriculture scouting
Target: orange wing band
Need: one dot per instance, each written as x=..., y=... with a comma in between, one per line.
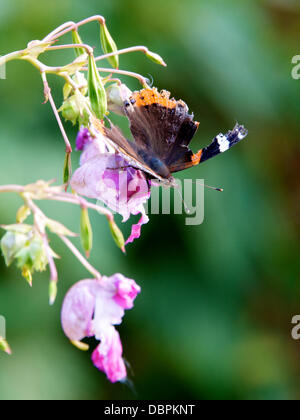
x=152, y=96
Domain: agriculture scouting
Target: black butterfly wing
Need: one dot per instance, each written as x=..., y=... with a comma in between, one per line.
x=159, y=124
x=129, y=150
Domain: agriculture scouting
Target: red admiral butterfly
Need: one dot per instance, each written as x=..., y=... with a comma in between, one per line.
x=163, y=129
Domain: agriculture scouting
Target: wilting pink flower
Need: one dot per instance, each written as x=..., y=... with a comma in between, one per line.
x=108, y=177
x=92, y=308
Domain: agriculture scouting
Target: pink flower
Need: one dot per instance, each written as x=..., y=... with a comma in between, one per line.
x=107, y=357
x=108, y=177
x=83, y=138
x=92, y=308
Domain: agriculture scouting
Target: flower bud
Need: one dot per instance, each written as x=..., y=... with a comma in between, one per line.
x=67, y=90
x=52, y=292
x=117, y=235
x=116, y=96
x=80, y=80
x=80, y=345
x=74, y=109
x=32, y=257
x=26, y=273
x=23, y=213
x=58, y=228
x=11, y=244
x=4, y=346
x=156, y=58
x=97, y=93
x=86, y=232
x=109, y=46
x=67, y=170
x=77, y=40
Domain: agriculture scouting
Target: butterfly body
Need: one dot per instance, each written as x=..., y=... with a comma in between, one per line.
x=162, y=129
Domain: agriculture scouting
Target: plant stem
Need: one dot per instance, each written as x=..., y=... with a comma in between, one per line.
x=48, y=95
x=80, y=257
x=39, y=220
x=56, y=31
x=72, y=199
x=88, y=49
x=11, y=188
x=140, y=78
x=71, y=26
x=11, y=56
x=123, y=51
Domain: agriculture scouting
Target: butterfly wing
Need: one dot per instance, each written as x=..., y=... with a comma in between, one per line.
x=160, y=124
x=114, y=137
x=220, y=144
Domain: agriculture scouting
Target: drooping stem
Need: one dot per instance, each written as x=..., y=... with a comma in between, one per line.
x=57, y=30
x=73, y=199
x=139, y=77
x=11, y=188
x=140, y=48
x=88, y=49
x=49, y=96
x=11, y=56
x=71, y=26
x=80, y=257
x=39, y=221
x=52, y=266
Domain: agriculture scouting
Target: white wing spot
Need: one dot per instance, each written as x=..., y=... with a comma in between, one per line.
x=224, y=143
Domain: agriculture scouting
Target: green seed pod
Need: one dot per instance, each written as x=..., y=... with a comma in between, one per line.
x=86, y=232
x=117, y=235
x=97, y=93
x=23, y=213
x=67, y=171
x=52, y=292
x=155, y=58
x=77, y=40
x=4, y=346
x=109, y=46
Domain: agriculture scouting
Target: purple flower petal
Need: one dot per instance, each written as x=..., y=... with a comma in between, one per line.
x=136, y=229
x=100, y=177
x=92, y=308
x=83, y=138
x=78, y=310
x=127, y=291
x=107, y=357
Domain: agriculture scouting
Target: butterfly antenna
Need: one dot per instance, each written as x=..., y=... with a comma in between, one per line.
x=208, y=186
x=150, y=81
x=213, y=188
x=187, y=210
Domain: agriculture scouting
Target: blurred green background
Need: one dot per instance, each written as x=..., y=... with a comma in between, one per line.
x=214, y=318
